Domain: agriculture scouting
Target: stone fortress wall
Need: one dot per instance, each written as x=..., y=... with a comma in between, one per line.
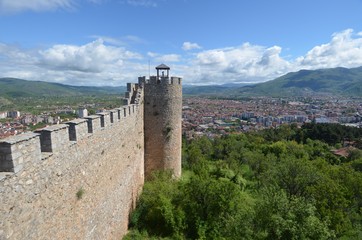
x=77, y=180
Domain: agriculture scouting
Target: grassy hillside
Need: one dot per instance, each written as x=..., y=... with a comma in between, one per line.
x=336, y=81
x=12, y=87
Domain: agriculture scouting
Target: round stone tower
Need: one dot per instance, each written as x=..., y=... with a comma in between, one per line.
x=162, y=122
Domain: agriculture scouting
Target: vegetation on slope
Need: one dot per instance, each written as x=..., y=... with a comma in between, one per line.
x=37, y=97
x=268, y=185
x=13, y=88
x=340, y=81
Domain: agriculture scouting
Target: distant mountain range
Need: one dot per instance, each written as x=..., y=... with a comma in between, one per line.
x=13, y=87
x=209, y=89
x=332, y=81
x=336, y=81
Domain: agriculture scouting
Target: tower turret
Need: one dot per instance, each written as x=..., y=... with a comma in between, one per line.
x=162, y=122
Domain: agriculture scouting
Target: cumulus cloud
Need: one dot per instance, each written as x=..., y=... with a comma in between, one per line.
x=94, y=63
x=13, y=6
x=104, y=62
x=344, y=50
x=239, y=64
x=92, y=57
x=254, y=63
x=212, y=58
x=187, y=46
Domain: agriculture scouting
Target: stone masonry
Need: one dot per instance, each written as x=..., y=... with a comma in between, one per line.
x=80, y=180
x=163, y=130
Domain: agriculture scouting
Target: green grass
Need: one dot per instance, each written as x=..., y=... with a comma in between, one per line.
x=80, y=193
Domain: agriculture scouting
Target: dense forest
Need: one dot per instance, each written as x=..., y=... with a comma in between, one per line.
x=275, y=184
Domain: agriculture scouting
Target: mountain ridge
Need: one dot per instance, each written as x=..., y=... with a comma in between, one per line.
x=15, y=87
x=336, y=81
x=330, y=81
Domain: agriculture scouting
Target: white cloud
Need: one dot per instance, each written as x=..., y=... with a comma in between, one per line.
x=120, y=41
x=13, y=6
x=187, y=46
x=212, y=58
x=94, y=63
x=168, y=58
x=157, y=57
x=258, y=63
x=113, y=41
x=152, y=54
x=92, y=57
x=238, y=64
x=99, y=63
x=133, y=39
x=14, y=55
x=344, y=50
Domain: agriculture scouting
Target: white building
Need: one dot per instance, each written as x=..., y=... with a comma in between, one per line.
x=3, y=115
x=82, y=112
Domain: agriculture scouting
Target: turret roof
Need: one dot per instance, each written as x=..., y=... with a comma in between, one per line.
x=163, y=66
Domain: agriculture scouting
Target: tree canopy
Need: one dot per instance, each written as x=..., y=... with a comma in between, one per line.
x=268, y=185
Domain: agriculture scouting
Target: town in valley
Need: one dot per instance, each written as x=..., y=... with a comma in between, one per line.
x=212, y=116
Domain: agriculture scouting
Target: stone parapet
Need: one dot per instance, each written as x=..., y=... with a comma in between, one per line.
x=80, y=180
x=113, y=115
x=17, y=150
x=78, y=129
x=54, y=138
x=77, y=180
x=105, y=118
x=94, y=123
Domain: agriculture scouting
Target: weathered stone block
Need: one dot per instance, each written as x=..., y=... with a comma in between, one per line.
x=54, y=138
x=78, y=129
x=113, y=115
x=16, y=150
x=105, y=119
x=94, y=123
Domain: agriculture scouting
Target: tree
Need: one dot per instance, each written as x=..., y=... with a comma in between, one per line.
x=216, y=209
x=280, y=217
x=158, y=211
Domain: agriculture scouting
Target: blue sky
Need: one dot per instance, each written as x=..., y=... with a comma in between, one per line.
x=111, y=42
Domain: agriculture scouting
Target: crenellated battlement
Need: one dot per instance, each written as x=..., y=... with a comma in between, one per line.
x=101, y=155
x=57, y=138
x=83, y=177
x=162, y=80
x=17, y=150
